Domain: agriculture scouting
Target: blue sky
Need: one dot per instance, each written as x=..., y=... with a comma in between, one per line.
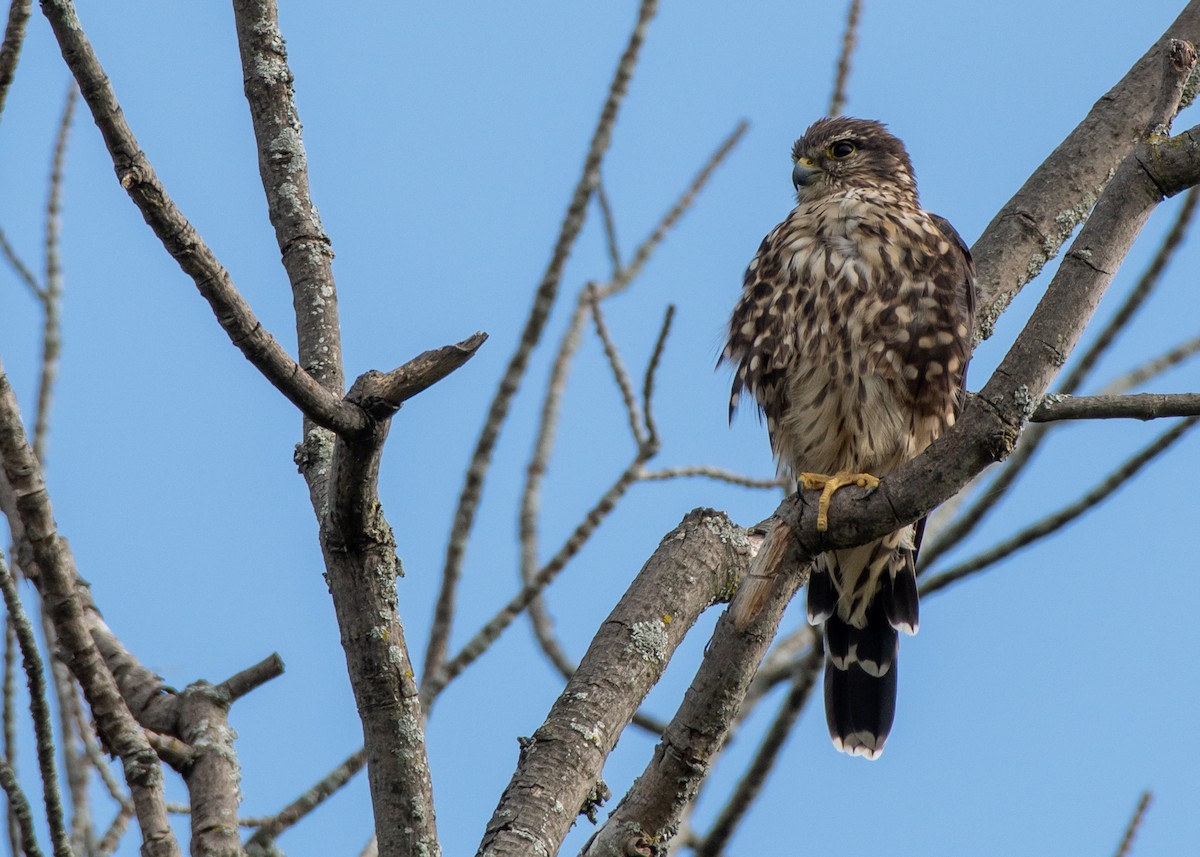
x=1037, y=701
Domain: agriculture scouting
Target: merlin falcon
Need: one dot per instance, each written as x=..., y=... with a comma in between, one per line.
x=852, y=335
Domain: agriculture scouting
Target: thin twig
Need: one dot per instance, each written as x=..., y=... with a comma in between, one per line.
x=10, y=722
x=645, y=250
x=610, y=228
x=371, y=849
x=492, y=630
x=20, y=268
x=837, y=101
x=552, y=403
x=91, y=747
x=39, y=709
x=310, y=800
x=52, y=295
x=544, y=299
x=803, y=679
x=1135, y=822
x=1056, y=521
x=709, y=472
x=75, y=761
x=1152, y=368
x=112, y=837
x=620, y=373
x=660, y=345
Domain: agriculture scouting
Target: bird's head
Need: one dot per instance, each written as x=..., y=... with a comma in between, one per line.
x=843, y=153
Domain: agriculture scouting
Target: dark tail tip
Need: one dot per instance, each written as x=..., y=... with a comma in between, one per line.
x=860, y=684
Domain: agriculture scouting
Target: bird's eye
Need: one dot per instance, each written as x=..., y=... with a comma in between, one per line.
x=841, y=149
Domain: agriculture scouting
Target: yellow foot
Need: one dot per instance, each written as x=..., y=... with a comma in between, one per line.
x=829, y=484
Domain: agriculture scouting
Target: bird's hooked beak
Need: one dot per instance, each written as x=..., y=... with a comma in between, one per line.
x=805, y=172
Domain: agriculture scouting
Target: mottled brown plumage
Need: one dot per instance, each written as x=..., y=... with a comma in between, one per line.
x=852, y=335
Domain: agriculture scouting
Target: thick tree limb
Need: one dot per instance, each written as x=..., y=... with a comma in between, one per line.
x=649, y=814
x=362, y=568
x=283, y=166
x=214, y=776
x=559, y=765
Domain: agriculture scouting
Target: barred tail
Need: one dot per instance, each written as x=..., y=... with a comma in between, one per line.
x=861, y=662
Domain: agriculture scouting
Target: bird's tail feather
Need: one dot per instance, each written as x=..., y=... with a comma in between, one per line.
x=861, y=663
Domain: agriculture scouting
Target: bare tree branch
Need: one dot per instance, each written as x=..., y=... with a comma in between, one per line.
x=116, y=830
x=1146, y=284
x=628, y=273
x=359, y=549
x=181, y=240
x=547, y=292
x=306, y=803
x=689, y=571
x=10, y=723
x=52, y=291
x=1142, y=406
x=39, y=708
x=709, y=472
x=492, y=630
x=539, y=461
x=237, y=686
x=837, y=101
x=620, y=374
x=214, y=775
x=10, y=48
x=20, y=268
x=1131, y=829
x=660, y=345
x=283, y=167
x=651, y=809
x=610, y=228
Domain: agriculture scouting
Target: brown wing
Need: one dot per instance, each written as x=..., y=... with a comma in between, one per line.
x=762, y=337
x=924, y=333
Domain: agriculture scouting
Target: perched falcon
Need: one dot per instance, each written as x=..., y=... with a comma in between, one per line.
x=853, y=334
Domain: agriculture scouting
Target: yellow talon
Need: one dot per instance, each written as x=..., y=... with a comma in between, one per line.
x=829, y=484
